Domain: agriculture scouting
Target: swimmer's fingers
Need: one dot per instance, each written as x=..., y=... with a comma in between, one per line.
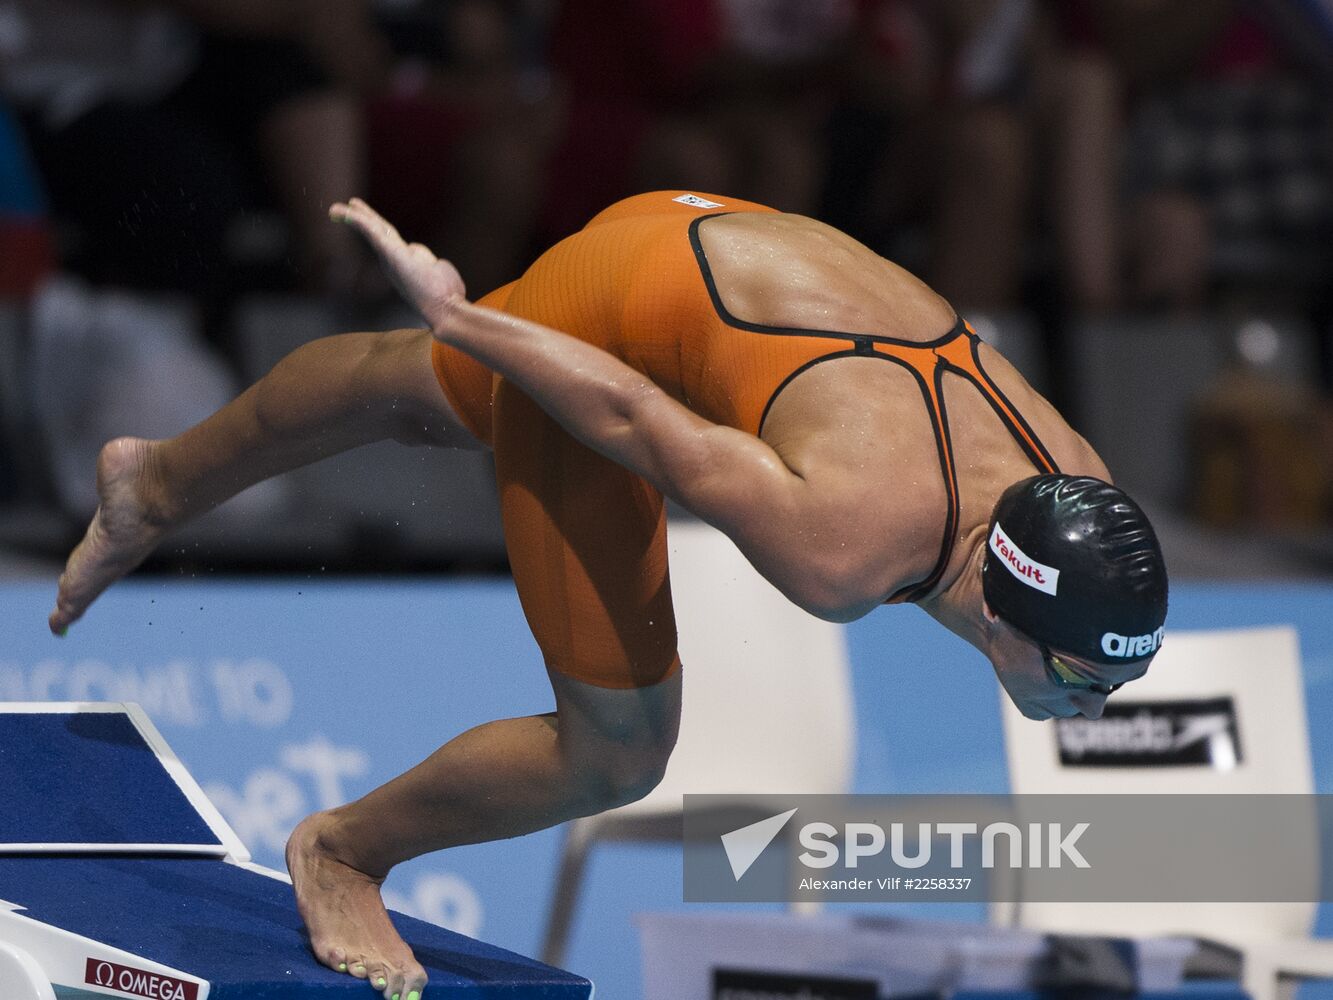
x=428, y=283
x=369, y=223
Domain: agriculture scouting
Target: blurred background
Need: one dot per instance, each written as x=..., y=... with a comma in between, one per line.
x=1133, y=199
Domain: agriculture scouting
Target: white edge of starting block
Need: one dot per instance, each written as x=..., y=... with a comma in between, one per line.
x=185, y=780
x=229, y=843
x=85, y=847
x=58, y=707
x=63, y=956
x=21, y=978
x=251, y=866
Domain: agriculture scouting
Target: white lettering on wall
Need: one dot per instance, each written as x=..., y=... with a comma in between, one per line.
x=254, y=692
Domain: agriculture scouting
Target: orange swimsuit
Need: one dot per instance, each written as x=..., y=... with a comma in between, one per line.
x=586, y=538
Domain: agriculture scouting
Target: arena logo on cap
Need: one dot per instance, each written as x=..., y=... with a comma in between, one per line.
x=1016, y=561
x=1115, y=644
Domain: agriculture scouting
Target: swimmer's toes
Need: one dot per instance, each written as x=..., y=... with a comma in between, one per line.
x=334, y=957
x=61, y=618
x=414, y=981
x=70, y=606
x=407, y=977
x=381, y=978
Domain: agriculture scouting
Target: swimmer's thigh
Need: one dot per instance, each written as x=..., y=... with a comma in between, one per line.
x=587, y=545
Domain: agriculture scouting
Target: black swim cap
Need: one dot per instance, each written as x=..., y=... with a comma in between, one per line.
x=1073, y=563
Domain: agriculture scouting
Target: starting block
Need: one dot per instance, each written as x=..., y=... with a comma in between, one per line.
x=118, y=878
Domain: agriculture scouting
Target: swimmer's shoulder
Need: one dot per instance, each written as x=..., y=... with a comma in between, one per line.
x=1072, y=453
x=783, y=270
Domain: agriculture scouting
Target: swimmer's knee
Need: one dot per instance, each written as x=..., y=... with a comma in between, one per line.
x=623, y=775
x=398, y=373
x=615, y=742
x=614, y=772
x=643, y=772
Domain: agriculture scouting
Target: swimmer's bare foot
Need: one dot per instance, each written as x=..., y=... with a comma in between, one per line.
x=341, y=906
x=129, y=522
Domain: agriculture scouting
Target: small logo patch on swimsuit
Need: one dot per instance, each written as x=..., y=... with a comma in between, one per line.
x=695, y=201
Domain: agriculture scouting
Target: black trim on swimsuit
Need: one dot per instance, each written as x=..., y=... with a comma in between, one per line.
x=792, y=331
x=991, y=392
x=856, y=352
x=1018, y=427
x=949, y=469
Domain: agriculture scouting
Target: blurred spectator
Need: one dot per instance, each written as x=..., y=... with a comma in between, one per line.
x=880, y=156
x=26, y=258
x=145, y=119
x=1305, y=30
x=936, y=102
x=762, y=98
x=26, y=252
x=620, y=62
x=724, y=96
x=985, y=165
x=1187, y=146
x=458, y=142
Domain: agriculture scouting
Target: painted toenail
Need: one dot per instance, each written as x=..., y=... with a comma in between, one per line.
x=381, y=981
x=342, y=966
x=395, y=996
x=414, y=995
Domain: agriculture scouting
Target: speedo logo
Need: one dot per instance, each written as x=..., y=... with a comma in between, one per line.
x=1154, y=734
x=1028, y=570
x=1114, y=644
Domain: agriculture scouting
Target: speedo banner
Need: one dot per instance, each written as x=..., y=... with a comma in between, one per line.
x=1166, y=734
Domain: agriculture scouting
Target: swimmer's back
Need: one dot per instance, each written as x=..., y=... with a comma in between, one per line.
x=631, y=283
x=678, y=284
x=674, y=204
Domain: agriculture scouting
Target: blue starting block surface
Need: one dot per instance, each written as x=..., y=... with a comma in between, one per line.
x=118, y=878
x=91, y=780
x=240, y=931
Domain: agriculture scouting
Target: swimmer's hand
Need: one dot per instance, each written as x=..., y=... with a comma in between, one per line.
x=431, y=285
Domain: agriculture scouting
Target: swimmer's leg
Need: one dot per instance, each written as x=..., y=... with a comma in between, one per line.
x=587, y=544
x=325, y=397
x=600, y=748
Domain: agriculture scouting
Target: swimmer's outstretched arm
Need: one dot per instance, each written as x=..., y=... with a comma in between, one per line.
x=783, y=518
x=324, y=398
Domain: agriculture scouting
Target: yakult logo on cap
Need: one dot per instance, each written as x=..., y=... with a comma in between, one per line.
x=1029, y=571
